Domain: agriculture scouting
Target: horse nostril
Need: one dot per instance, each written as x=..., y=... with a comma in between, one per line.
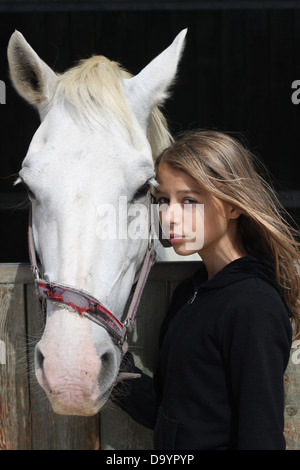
x=39, y=358
x=107, y=360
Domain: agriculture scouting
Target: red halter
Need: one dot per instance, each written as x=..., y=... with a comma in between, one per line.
x=87, y=305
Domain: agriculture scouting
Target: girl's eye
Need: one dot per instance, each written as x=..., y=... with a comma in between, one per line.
x=162, y=200
x=189, y=201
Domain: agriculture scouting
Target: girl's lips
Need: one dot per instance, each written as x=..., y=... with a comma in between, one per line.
x=176, y=238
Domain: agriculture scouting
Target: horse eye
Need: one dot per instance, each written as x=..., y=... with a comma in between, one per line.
x=142, y=191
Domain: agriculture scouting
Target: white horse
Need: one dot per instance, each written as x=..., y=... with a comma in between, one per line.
x=100, y=129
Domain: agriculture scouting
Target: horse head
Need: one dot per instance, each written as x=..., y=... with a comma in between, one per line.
x=88, y=168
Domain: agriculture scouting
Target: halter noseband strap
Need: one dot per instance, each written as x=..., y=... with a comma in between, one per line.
x=85, y=304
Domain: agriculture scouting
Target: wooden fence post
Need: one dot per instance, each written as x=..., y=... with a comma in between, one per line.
x=14, y=396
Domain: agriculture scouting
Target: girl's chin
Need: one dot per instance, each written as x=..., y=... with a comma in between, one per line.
x=185, y=247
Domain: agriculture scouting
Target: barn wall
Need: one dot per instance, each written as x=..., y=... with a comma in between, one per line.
x=236, y=75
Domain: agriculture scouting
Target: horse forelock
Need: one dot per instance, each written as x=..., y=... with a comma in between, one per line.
x=93, y=88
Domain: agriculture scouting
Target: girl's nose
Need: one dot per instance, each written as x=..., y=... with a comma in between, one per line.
x=171, y=214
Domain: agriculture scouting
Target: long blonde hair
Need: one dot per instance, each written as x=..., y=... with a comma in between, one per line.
x=221, y=165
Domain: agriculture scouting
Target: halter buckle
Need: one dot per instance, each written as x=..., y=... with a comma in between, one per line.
x=36, y=273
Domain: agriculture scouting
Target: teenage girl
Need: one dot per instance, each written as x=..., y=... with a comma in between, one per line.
x=225, y=341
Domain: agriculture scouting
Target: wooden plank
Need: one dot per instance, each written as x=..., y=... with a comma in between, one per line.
x=162, y=271
x=16, y=273
x=292, y=401
x=14, y=398
x=173, y=271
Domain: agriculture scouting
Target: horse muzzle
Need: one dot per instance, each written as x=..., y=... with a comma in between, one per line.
x=76, y=374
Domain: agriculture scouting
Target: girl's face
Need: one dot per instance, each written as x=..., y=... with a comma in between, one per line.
x=192, y=219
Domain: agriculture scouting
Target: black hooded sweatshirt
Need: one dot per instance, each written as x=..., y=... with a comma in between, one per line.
x=224, y=347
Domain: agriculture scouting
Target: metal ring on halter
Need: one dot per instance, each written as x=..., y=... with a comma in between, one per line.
x=36, y=272
x=128, y=326
x=151, y=225
x=150, y=240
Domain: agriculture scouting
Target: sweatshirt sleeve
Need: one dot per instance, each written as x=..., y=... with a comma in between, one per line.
x=137, y=397
x=257, y=347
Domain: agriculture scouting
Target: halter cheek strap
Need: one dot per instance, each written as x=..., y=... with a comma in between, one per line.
x=86, y=305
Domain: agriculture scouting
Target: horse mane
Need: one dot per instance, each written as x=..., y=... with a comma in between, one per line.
x=96, y=83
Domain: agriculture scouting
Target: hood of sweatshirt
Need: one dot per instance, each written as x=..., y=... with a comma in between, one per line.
x=250, y=266
x=257, y=265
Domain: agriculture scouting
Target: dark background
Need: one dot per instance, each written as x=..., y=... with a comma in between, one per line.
x=236, y=75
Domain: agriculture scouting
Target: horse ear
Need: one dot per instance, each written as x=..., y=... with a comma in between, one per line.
x=31, y=77
x=150, y=87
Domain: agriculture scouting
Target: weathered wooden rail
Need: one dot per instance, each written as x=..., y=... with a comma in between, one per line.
x=26, y=419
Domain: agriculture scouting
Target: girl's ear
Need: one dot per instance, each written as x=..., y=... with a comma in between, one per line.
x=235, y=212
